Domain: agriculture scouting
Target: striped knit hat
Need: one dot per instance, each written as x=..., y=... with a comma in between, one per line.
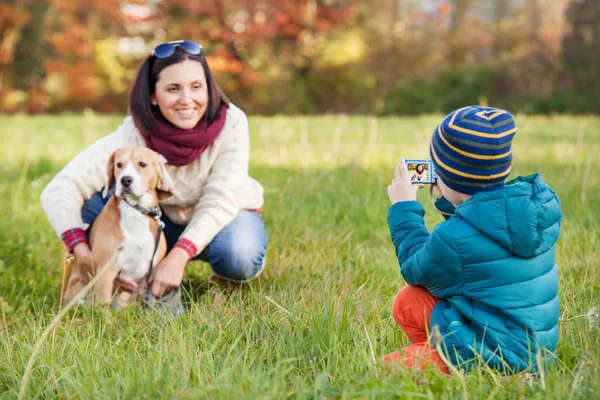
x=470, y=148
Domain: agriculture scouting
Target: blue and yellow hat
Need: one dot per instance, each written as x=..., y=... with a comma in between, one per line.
x=470, y=148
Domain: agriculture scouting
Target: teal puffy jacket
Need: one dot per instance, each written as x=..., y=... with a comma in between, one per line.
x=492, y=264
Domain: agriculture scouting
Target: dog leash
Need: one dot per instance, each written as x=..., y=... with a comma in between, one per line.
x=159, y=230
x=172, y=300
x=156, y=214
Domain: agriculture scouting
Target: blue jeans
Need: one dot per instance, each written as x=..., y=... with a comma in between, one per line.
x=237, y=253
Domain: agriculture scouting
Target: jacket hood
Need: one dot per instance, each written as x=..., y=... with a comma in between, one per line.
x=524, y=216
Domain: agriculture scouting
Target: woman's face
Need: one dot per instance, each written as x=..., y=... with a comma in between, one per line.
x=181, y=93
x=420, y=168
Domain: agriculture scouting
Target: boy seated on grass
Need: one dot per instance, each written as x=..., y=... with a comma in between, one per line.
x=486, y=276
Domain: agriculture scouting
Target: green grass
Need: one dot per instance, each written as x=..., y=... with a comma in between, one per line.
x=311, y=325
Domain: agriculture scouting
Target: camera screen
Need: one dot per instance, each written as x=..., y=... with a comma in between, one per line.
x=419, y=171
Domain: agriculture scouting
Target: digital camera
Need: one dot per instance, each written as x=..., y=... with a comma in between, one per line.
x=421, y=171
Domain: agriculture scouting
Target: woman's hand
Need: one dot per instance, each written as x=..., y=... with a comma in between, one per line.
x=127, y=285
x=401, y=188
x=168, y=274
x=83, y=255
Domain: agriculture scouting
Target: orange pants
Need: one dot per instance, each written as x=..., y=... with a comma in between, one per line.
x=412, y=311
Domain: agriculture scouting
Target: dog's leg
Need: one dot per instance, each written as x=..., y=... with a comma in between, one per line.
x=124, y=299
x=105, y=285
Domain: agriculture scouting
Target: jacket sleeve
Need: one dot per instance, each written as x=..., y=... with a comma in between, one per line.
x=428, y=260
x=218, y=205
x=83, y=176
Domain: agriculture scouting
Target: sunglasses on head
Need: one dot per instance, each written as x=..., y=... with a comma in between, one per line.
x=167, y=49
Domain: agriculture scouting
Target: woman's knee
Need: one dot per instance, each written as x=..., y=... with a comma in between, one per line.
x=238, y=252
x=240, y=260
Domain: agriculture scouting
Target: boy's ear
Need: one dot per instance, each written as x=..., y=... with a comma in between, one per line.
x=165, y=187
x=110, y=172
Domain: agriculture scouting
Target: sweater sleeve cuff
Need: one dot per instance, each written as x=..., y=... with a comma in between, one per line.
x=73, y=237
x=188, y=246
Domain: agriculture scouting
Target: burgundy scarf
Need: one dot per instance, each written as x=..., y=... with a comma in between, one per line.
x=182, y=146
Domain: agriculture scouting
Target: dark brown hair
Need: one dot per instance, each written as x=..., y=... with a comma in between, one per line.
x=143, y=111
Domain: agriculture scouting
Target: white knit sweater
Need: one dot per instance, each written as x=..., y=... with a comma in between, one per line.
x=209, y=192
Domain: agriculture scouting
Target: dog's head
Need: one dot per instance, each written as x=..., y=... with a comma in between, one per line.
x=137, y=171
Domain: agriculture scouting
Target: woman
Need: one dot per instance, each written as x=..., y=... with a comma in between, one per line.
x=178, y=110
x=420, y=174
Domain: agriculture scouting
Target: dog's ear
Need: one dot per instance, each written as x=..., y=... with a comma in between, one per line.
x=165, y=186
x=110, y=172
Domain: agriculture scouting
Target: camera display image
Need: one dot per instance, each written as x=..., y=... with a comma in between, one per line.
x=420, y=171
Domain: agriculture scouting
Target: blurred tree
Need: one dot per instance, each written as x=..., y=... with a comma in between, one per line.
x=254, y=42
x=542, y=34
x=406, y=40
x=13, y=18
x=459, y=32
x=501, y=10
x=310, y=56
x=27, y=68
x=74, y=77
x=581, y=54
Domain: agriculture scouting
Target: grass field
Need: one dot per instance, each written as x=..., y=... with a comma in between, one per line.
x=312, y=325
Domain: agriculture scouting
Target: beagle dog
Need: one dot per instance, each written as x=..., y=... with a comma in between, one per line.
x=129, y=224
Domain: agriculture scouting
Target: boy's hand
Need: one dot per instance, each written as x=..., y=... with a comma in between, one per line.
x=401, y=188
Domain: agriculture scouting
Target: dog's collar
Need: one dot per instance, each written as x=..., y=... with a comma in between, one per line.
x=154, y=213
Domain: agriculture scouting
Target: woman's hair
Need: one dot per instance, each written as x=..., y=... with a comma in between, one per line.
x=143, y=111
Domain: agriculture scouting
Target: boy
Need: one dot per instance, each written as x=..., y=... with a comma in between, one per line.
x=486, y=276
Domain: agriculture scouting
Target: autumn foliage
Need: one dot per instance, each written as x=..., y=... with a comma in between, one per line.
x=307, y=56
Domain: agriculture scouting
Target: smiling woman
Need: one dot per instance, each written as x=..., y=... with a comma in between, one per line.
x=178, y=110
x=182, y=101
